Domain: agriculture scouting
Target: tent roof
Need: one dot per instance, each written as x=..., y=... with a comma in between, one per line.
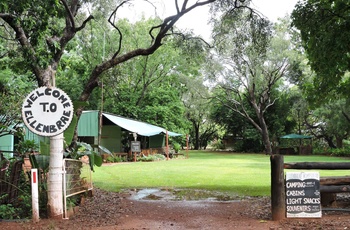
x=141, y=128
x=295, y=136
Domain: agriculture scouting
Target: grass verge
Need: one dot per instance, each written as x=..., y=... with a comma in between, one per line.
x=232, y=173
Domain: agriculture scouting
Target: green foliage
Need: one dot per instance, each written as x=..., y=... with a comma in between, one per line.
x=154, y=157
x=176, y=147
x=337, y=152
x=255, y=60
x=26, y=147
x=36, y=19
x=12, y=89
x=69, y=132
x=217, y=145
x=82, y=149
x=324, y=28
x=330, y=120
x=115, y=159
x=8, y=212
x=20, y=207
x=148, y=88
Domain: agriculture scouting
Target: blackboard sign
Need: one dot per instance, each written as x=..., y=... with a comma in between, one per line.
x=135, y=146
x=303, y=198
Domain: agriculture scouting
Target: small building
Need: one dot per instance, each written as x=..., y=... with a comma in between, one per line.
x=116, y=132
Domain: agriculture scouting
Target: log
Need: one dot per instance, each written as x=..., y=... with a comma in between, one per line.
x=334, y=188
x=317, y=165
x=335, y=180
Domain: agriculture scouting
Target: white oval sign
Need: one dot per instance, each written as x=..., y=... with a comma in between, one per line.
x=47, y=111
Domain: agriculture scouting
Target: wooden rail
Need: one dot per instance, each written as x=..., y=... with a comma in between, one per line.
x=328, y=185
x=317, y=165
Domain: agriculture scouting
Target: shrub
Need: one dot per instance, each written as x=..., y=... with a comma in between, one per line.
x=176, y=147
x=114, y=159
x=339, y=152
x=19, y=207
x=8, y=212
x=155, y=157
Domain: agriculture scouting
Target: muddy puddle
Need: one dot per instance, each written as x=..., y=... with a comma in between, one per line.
x=180, y=195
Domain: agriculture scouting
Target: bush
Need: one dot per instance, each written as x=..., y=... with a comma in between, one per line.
x=155, y=157
x=114, y=159
x=8, y=212
x=176, y=147
x=19, y=207
x=337, y=152
x=217, y=145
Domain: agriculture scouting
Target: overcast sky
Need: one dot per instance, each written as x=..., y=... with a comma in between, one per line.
x=274, y=9
x=197, y=19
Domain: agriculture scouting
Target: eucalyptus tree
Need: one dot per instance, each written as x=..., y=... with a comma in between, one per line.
x=255, y=59
x=42, y=31
x=281, y=118
x=197, y=102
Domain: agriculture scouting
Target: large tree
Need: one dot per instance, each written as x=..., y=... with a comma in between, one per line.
x=254, y=60
x=43, y=30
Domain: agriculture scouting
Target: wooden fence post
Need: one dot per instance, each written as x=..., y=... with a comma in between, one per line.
x=278, y=205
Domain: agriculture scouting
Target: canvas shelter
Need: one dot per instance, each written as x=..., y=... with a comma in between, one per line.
x=115, y=132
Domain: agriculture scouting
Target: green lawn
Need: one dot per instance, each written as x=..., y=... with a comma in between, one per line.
x=238, y=174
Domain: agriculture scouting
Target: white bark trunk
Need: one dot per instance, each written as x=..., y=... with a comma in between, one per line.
x=55, y=190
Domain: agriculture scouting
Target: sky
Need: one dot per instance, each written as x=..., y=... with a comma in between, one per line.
x=198, y=18
x=274, y=9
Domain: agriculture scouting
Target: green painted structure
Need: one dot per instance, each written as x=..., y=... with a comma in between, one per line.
x=7, y=143
x=116, y=132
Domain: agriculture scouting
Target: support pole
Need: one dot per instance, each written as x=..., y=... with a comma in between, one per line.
x=167, y=145
x=278, y=205
x=55, y=188
x=186, y=145
x=35, y=195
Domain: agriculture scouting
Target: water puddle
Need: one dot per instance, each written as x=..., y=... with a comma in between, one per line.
x=181, y=195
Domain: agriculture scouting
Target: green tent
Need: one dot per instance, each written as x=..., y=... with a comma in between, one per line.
x=291, y=144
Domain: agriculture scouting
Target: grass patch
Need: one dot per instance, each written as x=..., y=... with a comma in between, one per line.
x=238, y=174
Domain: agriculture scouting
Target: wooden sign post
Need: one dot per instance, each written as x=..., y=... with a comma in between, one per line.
x=135, y=148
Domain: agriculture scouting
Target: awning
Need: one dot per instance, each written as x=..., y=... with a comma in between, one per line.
x=295, y=136
x=141, y=128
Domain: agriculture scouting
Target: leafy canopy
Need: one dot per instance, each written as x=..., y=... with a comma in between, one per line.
x=325, y=31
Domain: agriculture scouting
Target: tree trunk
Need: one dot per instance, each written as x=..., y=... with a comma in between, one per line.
x=339, y=142
x=330, y=142
x=196, y=141
x=265, y=135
